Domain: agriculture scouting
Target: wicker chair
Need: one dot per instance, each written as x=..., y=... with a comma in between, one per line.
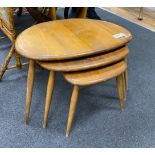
x=7, y=26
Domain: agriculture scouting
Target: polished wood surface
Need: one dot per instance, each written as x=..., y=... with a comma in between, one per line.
x=96, y=75
x=86, y=63
x=70, y=38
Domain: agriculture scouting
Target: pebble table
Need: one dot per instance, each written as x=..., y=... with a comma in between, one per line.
x=73, y=45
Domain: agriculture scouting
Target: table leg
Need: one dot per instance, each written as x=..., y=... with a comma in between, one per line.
x=126, y=79
x=30, y=83
x=124, y=85
x=49, y=93
x=120, y=87
x=126, y=76
x=73, y=103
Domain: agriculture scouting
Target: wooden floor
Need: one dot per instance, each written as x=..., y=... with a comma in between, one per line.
x=133, y=13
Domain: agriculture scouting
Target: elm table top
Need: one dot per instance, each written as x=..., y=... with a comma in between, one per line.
x=96, y=75
x=95, y=61
x=70, y=38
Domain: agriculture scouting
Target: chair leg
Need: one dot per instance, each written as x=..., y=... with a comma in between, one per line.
x=30, y=83
x=6, y=62
x=120, y=87
x=73, y=103
x=49, y=93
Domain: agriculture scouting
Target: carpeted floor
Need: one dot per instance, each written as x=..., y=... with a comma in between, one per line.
x=98, y=121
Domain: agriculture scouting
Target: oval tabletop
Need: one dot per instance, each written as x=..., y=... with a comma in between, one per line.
x=70, y=38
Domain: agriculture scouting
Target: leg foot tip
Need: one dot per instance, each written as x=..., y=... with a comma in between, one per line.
x=0, y=77
x=140, y=18
x=122, y=109
x=67, y=134
x=44, y=126
x=27, y=120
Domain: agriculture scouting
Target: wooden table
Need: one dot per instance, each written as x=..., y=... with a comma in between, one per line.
x=67, y=39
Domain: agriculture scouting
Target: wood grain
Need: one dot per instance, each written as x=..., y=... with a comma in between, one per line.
x=86, y=63
x=95, y=76
x=70, y=38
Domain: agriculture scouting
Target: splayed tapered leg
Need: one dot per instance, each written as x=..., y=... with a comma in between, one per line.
x=49, y=93
x=73, y=103
x=30, y=83
x=120, y=87
x=124, y=85
x=126, y=76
